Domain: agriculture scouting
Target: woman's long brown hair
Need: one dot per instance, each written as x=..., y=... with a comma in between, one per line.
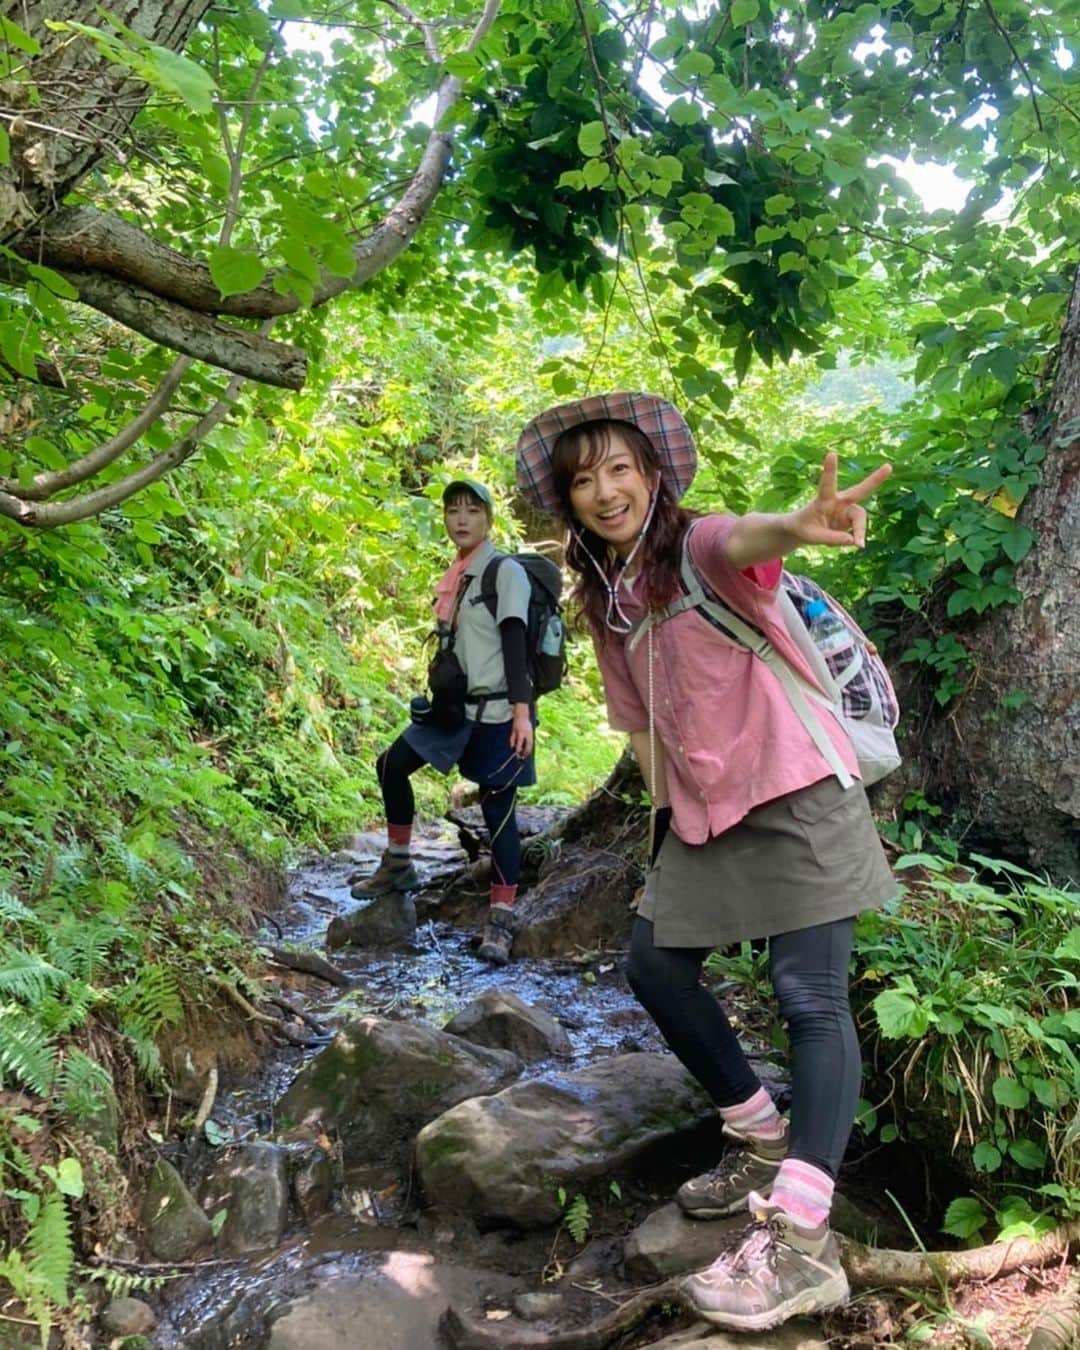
x=583, y=447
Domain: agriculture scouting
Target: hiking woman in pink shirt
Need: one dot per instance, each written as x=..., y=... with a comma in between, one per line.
x=765, y=839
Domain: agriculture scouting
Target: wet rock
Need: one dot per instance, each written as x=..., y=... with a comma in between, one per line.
x=504, y=1157
x=583, y=904
x=386, y=923
x=186, y=1068
x=379, y=1081
x=498, y=1018
x=175, y=1225
x=395, y=1307
x=533, y=821
x=251, y=1184
x=128, y=1317
x=534, y=1307
x=668, y=1243
x=312, y=1181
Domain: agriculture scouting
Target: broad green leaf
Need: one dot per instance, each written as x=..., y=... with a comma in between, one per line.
x=693, y=65
x=592, y=139
x=778, y=204
x=235, y=270
x=5, y=147
x=1069, y=950
x=177, y=72
x=985, y=1156
x=964, y=1218
x=1011, y=1094
x=898, y=1015
x=744, y=12
x=1027, y=1154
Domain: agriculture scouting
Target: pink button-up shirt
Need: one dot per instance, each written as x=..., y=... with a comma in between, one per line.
x=731, y=738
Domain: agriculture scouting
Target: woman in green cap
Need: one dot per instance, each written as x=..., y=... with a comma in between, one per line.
x=492, y=740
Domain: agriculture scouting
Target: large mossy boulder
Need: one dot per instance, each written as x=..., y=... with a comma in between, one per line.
x=379, y=1081
x=503, y=1158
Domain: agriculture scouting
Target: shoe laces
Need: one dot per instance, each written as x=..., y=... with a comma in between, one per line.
x=759, y=1239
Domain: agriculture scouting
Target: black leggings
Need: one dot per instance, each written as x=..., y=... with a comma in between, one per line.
x=810, y=976
x=395, y=766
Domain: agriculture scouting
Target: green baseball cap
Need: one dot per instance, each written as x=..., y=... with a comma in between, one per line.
x=467, y=485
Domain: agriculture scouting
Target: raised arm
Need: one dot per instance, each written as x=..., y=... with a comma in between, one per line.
x=833, y=518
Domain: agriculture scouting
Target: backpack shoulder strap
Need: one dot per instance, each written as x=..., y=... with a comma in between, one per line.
x=489, y=592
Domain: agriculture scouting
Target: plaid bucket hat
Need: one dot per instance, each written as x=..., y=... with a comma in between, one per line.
x=660, y=420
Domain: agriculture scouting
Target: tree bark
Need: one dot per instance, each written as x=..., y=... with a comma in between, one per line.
x=85, y=103
x=1013, y=778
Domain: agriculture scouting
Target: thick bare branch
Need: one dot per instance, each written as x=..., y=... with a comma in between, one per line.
x=51, y=514
x=198, y=335
x=45, y=485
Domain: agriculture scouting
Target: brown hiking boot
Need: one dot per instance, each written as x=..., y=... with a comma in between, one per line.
x=776, y=1269
x=498, y=936
x=394, y=873
x=751, y=1165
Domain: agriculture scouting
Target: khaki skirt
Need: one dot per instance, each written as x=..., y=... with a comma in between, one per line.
x=800, y=860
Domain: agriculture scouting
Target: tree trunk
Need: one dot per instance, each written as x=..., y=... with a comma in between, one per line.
x=1013, y=778
x=86, y=102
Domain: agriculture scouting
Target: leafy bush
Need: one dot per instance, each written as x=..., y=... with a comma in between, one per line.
x=967, y=997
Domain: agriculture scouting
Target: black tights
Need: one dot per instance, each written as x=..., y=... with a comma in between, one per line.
x=810, y=976
x=395, y=766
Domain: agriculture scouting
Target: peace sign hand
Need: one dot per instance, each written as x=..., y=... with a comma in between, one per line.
x=835, y=517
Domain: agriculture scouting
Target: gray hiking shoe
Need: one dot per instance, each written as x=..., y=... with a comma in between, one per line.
x=750, y=1166
x=777, y=1269
x=498, y=936
x=394, y=873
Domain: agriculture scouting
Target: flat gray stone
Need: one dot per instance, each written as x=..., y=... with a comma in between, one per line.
x=395, y=1307
x=501, y=1020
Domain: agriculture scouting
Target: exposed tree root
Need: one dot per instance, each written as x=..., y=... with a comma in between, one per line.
x=308, y=963
x=881, y=1268
x=465, y=1334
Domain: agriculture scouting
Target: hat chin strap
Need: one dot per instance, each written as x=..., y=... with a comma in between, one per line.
x=614, y=618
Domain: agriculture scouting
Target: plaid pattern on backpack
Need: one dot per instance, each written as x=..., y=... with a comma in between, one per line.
x=864, y=690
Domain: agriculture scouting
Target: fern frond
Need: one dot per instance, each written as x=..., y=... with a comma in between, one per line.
x=13, y=911
x=27, y=976
x=81, y=1085
x=27, y=1055
x=152, y=999
x=50, y=1252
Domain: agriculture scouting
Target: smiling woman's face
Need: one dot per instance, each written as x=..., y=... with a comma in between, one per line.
x=611, y=497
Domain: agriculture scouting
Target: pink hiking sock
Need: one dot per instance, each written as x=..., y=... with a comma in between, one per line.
x=803, y=1191
x=757, y=1116
x=399, y=838
x=503, y=895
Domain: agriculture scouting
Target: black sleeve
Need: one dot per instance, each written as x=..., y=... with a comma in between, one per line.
x=518, y=684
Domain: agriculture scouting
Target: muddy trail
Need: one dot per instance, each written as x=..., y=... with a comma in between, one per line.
x=376, y=1256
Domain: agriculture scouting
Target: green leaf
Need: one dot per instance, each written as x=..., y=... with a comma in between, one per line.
x=592, y=139
x=1018, y=542
x=898, y=1015
x=964, y=1217
x=669, y=167
x=840, y=174
x=17, y=37
x=779, y=204
x=46, y=452
x=595, y=173
x=5, y=147
x=1068, y=949
x=235, y=270
x=985, y=1156
x=67, y=1177
x=176, y=72
x=744, y=12
x=693, y=65
x=1011, y=1094
x=1027, y=1154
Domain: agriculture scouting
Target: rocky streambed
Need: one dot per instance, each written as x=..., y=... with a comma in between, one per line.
x=500, y=1142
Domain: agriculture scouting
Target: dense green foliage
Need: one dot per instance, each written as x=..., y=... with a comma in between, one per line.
x=200, y=680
